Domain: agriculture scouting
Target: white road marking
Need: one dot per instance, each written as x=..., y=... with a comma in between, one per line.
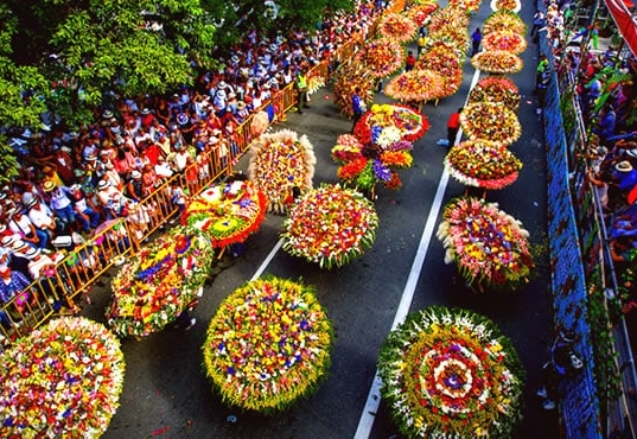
x=267, y=260
x=366, y=421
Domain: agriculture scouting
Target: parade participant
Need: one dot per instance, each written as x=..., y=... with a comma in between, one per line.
x=301, y=92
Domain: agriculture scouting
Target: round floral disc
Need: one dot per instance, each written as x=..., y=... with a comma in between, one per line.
x=397, y=27
x=504, y=21
x=505, y=40
x=490, y=121
x=496, y=90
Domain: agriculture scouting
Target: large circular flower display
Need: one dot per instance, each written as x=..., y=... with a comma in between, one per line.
x=490, y=121
x=495, y=89
x=445, y=62
x=458, y=36
x=504, y=40
x=469, y=6
x=268, y=345
x=381, y=57
x=506, y=5
x=159, y=283
x=497, y=61
x=62, y=380
x=347, y=79
x=451, y=374
x=483, y=164
x=373, y=126
x=420, y=13
x=416, y=86
x=279, y=162
x=397, y=27
x=330, y=226
x=489, y=246
x=228, y=212
x=444, y=17
x=504, y=21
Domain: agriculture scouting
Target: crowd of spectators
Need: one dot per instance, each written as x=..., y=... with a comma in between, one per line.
x=71, y=182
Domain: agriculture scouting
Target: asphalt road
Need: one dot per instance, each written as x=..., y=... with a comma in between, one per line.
x=166, y=394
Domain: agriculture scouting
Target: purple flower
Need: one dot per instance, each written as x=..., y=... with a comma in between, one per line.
x=381, y=172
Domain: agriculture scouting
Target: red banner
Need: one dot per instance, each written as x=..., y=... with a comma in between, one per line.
x=627, y=25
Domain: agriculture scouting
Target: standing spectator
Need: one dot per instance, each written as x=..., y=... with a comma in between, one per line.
x=301, y=91
x=410, y=62
x=476, y=39
x=538, y=22
x=542, y=86
x=177, y=197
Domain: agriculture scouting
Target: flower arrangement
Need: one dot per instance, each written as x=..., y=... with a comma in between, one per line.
x=347, y=79
x=444, y=17
x=159, y=283
x=228, y=213
x=445, y=62
x=381, y=57
x=496, y=89
x=416, y=85
x=388, y=123
x=490, y=121
x=330, y=226
x=420, y=13
x=451, y=374
x=483, y=164
x=62, y=380
x=397, y=27
x=489, y=246
x=504, y=20
x=504, y=40
x=279, y=162
x=506, y=5
x=268, y=345
x=497, y=61
x=458, y=36
x=348, y=148
x=469, y=6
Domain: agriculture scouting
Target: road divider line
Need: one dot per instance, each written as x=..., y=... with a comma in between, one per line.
x=267, y=260
x=366, y=421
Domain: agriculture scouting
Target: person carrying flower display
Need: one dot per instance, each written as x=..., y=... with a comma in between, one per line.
x=410, y=62
x=476, y=39
x=358, y=105
x=453, y=125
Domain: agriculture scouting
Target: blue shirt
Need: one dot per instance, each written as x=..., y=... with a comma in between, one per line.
x=16, y=285
x=357, y=104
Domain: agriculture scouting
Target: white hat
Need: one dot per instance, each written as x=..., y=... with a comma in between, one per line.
x=146, y=111
x=136, y=174
x=234, y=59
x=222, y=84
x=632, y=153
x=107, y=114
x=103, y=184
x=32, y=252
x=624, y=166
x=221, y=94
x=8, y=240
x=212, y=140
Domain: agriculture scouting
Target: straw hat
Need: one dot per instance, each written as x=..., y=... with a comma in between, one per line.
x=624, y=166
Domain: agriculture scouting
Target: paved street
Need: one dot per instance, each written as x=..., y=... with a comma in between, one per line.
x=166, y=394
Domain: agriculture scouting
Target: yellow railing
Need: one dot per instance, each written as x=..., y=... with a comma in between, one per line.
x=55, y=293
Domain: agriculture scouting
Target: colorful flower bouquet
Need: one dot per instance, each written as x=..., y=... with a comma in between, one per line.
x=469, y=6
x=228, y=212
x=504, y=20
x=159, y=283
x=496, y=89
x=490, y=121
x=444, y=17
x=381, y=57
x=347, y=79
x=374, y=124
x=347, y=149
x=62, y=380
x=506, y=5
x=397, y=27
x=416, y=86
x=268, y=345
x=451, y=374
x=330, y=226
x=279, y=162
x=458, y=36
x=497, y=61
x=483, y=164
x=445, y=62
x=489, y=246
x=420, y=13
x=504, y=40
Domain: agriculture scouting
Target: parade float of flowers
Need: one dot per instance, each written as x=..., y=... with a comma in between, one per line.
x=419, y=14
x=496, y=89
x=489, y=246
x=347, y=79
x=490, y=121
x=506, y=5
x=445, y=62
x=469, y=6
x=416, y=86
x=268, y=345
x=228, y=213
x=381, y=57
x=63, y=380
x=330, y=226
x=458, y=36
x=444, y=17
x=504, y=40
x=483, y=164
x=497, y=61
x=159, y=283
x=279, y=162
x=373, y=125
x=504, y=21
x=451, y=374
x=397, y=27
